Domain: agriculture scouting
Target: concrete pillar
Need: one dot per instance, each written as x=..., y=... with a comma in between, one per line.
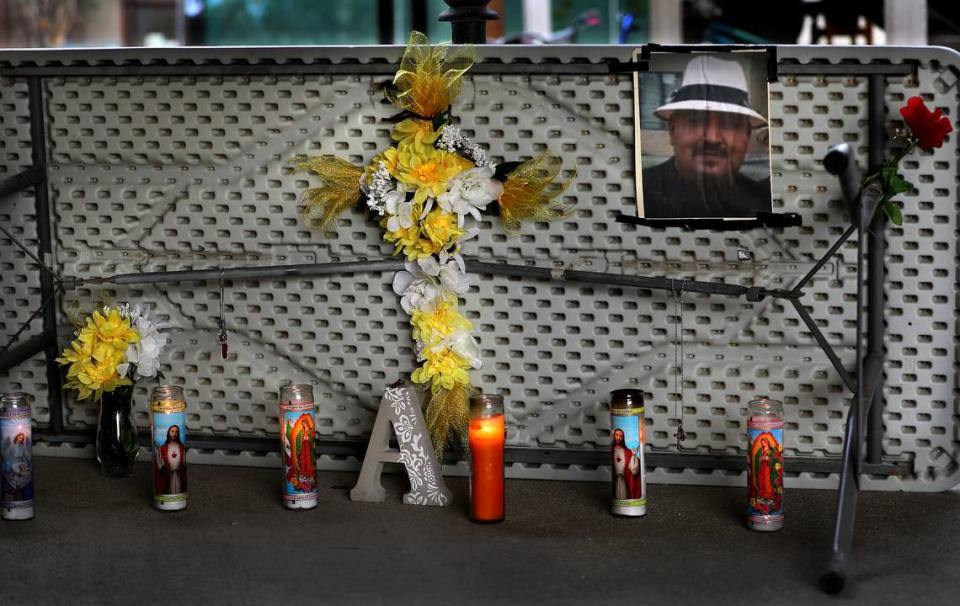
x=536, y=17
x=102, y=24
x=905, y=21
x=666, y=21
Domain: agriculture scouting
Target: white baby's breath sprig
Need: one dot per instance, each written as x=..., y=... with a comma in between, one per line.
x=452, y=140
x=380, y=183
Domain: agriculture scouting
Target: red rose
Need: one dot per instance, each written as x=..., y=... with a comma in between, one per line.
x=930, y=128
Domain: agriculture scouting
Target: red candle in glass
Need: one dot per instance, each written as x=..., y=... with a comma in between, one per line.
x=487, y=437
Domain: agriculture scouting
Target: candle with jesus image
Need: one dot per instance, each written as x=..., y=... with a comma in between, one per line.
x=627, y=437
x=168, y=430
x=487, y=437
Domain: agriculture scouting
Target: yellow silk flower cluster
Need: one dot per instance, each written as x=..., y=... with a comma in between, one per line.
x=434, y=329
x=421, y=228
x=94, y=357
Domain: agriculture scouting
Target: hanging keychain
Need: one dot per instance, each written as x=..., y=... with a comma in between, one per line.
x=222, y=325
x=680, y=435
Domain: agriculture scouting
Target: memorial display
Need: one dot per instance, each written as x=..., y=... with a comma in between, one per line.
x=578, y=305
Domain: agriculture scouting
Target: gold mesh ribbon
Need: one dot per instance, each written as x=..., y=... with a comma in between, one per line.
x=340, y=189
x=448, y=410
x=429, y=77
x=530, y=193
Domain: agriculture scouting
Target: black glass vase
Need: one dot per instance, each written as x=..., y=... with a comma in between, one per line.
x=117, y=444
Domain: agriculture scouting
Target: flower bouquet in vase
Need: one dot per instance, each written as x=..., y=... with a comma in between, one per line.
x=115, y=346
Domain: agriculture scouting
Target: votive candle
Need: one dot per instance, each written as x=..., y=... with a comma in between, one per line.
x=487, y=437
x=765, y=464
x=16, y=439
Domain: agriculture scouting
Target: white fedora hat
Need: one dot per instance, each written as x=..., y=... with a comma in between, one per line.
x=713, y=85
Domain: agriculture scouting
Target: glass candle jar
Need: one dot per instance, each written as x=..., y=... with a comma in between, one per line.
x=298, y=426
x=765, y=464
x=168, y=433
x=627, y=440
x=487, y=438
x=16, y=441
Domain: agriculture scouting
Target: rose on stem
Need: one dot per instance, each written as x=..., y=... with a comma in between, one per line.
x=927, y=130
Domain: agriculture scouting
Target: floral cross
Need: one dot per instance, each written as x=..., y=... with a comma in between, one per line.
x=427, y=190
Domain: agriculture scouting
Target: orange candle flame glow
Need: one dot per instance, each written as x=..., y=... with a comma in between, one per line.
x=487, y=437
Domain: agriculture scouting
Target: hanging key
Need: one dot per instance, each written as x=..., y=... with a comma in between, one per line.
x=680, y=435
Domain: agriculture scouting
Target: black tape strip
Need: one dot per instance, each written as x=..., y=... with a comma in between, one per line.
x=772, y=63
x=626, y=67
x=762, y=220
x=711, y=92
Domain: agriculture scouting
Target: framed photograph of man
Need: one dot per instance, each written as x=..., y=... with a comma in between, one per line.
x=702, y=142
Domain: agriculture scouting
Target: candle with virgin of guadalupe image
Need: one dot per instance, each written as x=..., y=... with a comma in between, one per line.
x=298, y=422
x=765, y=465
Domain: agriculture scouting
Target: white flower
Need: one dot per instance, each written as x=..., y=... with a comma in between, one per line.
x=416, y=287
x=452, y=277
x=464, y=345
x=399, y=209
x=427, y=280
x=145, y=354
x=469, y=192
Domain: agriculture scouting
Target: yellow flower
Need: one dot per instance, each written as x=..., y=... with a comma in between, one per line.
x=441, y=228
x=437, y=231
x=406, y=240
x=430, y=326
x=110, y=328
x=77, y=352
x=97, y=374
x=428, y=170
x=414, y=132
x=390, y=158
x=443, y=368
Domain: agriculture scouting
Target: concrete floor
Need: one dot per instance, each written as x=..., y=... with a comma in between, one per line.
x=97, y=541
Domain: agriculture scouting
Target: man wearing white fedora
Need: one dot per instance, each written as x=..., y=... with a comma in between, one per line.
x=710, y=121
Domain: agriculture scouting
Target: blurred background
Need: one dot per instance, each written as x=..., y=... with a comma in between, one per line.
x=75, y=23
